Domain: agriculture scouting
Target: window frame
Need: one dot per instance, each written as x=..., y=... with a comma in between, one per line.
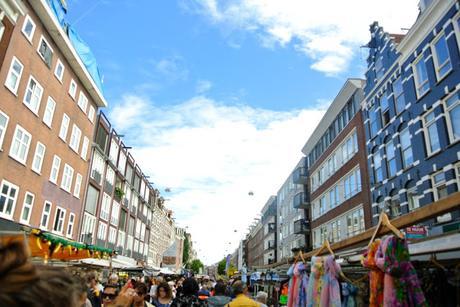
x=412, y=194
x=11, y=185
x=39, y=170
x=75, y=138
x=91, y=113
x=58, y=167
x=42, y=38
x=434, y=53
x=404, y=149
x=436, y=185
x=78, y=182
x=449, y=121
x=101, y=223
x=67, y=178
x=74, y=93
x=70, y=225
x=63, y=135
x=15, y=157
x=3, y=133
x=426, y=132
x=19, y=76
x=48, y=215
x=82, y=97
x=84, y=148
x=397, y=97
x=59, y=63
x=64, y=211
x=415, y=76
x=28, y=104
x=30, y=207
x=31, y=36
x=45, y=121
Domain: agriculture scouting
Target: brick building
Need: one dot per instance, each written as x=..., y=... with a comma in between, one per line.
x=255, y=246
x=48, y=108
x=337, y=168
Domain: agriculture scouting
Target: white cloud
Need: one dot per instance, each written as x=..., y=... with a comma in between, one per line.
x=328, y=32
x=211, y=155
x=202, y=86
x=172, y=67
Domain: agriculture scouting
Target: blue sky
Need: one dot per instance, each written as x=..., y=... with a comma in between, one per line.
x=218, y=97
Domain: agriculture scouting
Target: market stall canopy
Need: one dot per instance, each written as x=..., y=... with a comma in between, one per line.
x=48, y=246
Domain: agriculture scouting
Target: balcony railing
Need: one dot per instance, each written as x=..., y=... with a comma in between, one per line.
x=301, y=201
x=96, y=176
x=108, y=187
x=300, y=175
x=301, y=226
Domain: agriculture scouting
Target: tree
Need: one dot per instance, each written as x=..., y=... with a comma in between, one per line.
x=186, y=252
x=196, y=265
x=221, y=267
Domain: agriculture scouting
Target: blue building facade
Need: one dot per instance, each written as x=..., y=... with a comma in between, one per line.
x=412, y=114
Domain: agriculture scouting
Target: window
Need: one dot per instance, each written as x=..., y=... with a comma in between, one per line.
x=82, y=102
x=33, y=95
x=97, y=167
x=406, y=148
x=336, y=231
x=105, y=209
x=59, y=220
x=102, y=231
x=442, y=61
x=413, y=199
x=55, y=169
x=70, y=225
x=77, y=188
x=379, y=71
x=398, y=94
x=64, y=127
x=75, y=138
x=14, y=75
x=49, y=111
x=112, y=235
x=8, y=196
x=113, y=154
x=439, y=186
x=373, y=121
x=3, y=124
x=115, y=213
x=452, y=105
x=28, y=28
x=45, y=215
x=355, y=222
x=121, y=239
x=322, y=205
x=38, y=157
x=384, y=109
x=91, y=113
x=84, y=148
x=378, y=174
x=27, y=208
x=422, y=83
x=431, y=133
x=67, y=177
x=391, y=159
x=59, y=70
x=20, y=145
x=87, y=231
x=73, y=89
x=122, y=162
x=45, y=51
x=395, y=207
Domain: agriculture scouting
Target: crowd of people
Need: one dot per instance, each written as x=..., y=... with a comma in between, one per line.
x=23, y=283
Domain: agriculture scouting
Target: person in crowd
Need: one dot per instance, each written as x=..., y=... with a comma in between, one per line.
x=109, y=294
x=204, y=293
x=261, y=298
x=189, y=297
x=24, y=284
x=220, y=297
x=113, y=279
x=163, y=296
x=241, y=299
x=179, y=283
x=153, y=289
x=139, y=298
x=82, y=289
x=172, y=285
x=94, y=293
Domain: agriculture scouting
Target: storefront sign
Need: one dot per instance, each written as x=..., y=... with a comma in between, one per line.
x=415, y=232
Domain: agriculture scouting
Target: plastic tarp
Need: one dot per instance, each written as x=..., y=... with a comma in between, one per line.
x=59, y=8
x=86, y=55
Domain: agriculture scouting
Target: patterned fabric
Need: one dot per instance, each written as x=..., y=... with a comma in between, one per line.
x=408, y=291
x=330, y=291
x=389, y=290
x=349, y=293
x=375, y=275
x=315, y=282
x=297, y=285
x=188, y=301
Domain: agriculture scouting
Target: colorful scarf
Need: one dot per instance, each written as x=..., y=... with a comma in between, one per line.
x=388, y=283
x=330, y=291
x=375, y=275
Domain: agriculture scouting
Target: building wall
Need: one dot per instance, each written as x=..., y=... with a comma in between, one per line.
x=21, y=174
x=256, y=246
x=417, y=176
x=269, y=230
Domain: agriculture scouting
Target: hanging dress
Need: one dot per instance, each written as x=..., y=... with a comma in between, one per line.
x=408, y=291
x=292, y=286
x=388, y=283
x=375, y=275
x=298, y=285
x=315, y=282
x=330, y=291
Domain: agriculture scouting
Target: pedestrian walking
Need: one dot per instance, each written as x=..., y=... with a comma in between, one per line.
x=220, y=298
x=261, y=298
x=241, y=299
x=163, y=296
x=189, y=297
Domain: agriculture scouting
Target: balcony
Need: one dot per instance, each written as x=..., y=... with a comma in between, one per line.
x=300, y=175
x=108, y=187
x=301, y=201
x=301, y=226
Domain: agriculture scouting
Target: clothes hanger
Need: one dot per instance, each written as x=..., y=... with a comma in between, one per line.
x=385, y=221
x=301, y=256
x=327, y=246
x=436, y=263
